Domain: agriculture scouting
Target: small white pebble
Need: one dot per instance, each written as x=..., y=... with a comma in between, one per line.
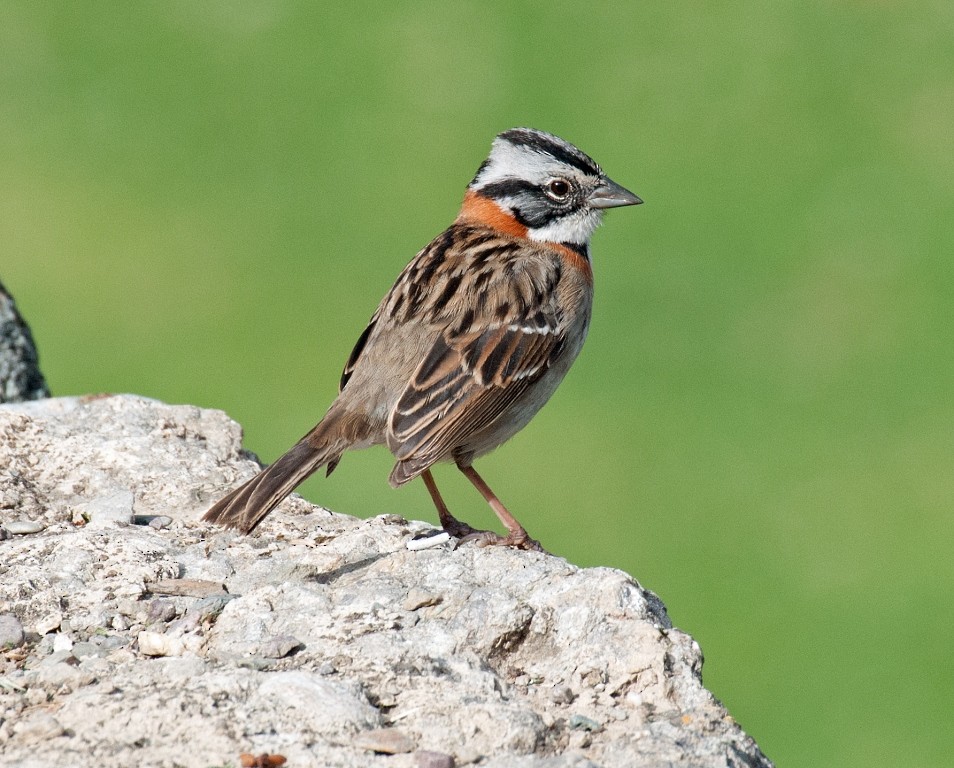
x=48, y=623
x=157, y=644
x=119, y=623
x=426, y=542
x=62, y=642
x=24, y=527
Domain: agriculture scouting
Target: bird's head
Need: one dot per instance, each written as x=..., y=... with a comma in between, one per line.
x=548, y=189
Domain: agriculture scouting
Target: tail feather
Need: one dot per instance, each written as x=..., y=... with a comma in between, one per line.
x=406, y=470
x=246, y=506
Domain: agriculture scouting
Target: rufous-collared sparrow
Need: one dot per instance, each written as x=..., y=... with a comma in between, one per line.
x=471, y=340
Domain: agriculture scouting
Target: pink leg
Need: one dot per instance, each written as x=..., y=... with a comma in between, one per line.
x=517, y=536
x=448, y=522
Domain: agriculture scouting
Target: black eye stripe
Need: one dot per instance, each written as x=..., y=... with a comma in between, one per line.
x=531, y=206
x=515, y=188
x=508, y=188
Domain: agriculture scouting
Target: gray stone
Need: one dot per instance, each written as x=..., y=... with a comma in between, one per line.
x=159, y=644
x=505, y=658
x=582, y=723
x=61, y=675
x=427, y=759
x=23, y=527
x=385, y=741
x=108, y=509
x=48, y=623
x=279, y=647
x=83, y=649
x=20, y=377
x=11, y=631
x=319, y=704
x=62, y=642
x=40, y=727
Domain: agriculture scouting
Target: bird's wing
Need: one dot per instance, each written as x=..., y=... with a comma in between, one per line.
x=358, y=349
x=514, y=331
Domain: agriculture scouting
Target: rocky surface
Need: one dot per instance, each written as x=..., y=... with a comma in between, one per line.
x=20, y=377
x=133, y=634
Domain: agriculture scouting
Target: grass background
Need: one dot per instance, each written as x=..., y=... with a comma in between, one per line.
x=203, y=202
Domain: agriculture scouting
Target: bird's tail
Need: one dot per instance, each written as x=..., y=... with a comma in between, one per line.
x=246, y=506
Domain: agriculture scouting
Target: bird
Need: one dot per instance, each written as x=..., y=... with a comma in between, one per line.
x=472, y=339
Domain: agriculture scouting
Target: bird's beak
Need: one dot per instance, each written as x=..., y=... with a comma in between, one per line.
x=609, y=194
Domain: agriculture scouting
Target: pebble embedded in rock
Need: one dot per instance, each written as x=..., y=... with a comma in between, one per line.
x=23, y=527
x=56, y=658
x=11, y=631
x=428, y=759
x=208, y=608
x=320, y=704
x=48, y=623
x=387, y=741
x=187, y=587
x=119, y=623
x=582, y=723
x=580, y=740
x=161, y=610
x=109, y=509
x=62, y=642
x=38, y=727
x=62, y=675
x=279, y=647
x=418, y=598
x=158, y=644
x=264, y=760
x=83, y=649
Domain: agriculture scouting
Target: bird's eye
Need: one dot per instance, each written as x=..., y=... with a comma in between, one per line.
x=558, y=189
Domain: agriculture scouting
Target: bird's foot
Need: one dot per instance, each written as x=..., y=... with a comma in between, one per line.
x=516, y=539
x=458, y=529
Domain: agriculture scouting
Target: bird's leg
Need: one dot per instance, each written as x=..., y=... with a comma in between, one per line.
x=517, y=536
x=449, y=523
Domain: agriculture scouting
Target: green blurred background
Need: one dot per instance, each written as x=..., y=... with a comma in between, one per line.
x=204, y=201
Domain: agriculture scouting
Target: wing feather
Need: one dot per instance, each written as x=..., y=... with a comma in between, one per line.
x=491, y=323
x=464, y=384
x=356, y=352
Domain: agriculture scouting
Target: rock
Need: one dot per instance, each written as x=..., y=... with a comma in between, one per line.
x=158, y=644
x=279, y=647
x=48, y=623
x=62, y=642
x=320, y=638
x=39, y=728
x=23, y=527
x=581, y=723
x=417, y=598
x=20, y=377
x=320, y=705
x=83, y=649
x=60, y=676
x=385, y=741
x=161, y=611
x=428, y=759
x=264, y=760
x=108, y=509
x=11, y=631
x=187, y=587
